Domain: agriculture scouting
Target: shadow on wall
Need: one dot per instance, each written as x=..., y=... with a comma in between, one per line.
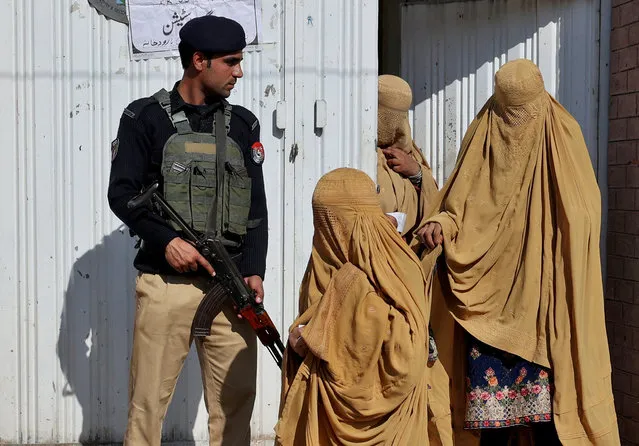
x=94, y=346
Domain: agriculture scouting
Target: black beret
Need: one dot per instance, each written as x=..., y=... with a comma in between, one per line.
x=213, y=35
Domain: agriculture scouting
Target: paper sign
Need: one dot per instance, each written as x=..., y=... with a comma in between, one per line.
x=154, y=25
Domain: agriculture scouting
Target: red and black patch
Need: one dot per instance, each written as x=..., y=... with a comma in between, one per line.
x=257, y=153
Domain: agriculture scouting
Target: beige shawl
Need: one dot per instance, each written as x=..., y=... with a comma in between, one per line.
x=521, y=268
x=363, y=304
x=397, y=193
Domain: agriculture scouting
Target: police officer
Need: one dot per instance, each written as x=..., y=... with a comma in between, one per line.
x=207, y=155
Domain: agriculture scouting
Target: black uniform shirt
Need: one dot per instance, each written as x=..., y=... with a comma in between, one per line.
x=136, y=162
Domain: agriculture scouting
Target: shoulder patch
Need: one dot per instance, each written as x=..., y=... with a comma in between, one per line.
x=115, y=145
x=134, y=108
x=257, y=153
x=247, y=116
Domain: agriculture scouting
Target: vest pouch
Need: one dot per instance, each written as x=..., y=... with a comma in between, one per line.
x=203, y=185
x=237, y=201
x=177, y=178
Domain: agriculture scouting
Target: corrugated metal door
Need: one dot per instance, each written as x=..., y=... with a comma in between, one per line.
x=66, y=276
x=451, y=51
x=335, y=102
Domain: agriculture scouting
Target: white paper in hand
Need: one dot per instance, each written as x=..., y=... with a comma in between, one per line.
x=401, y=219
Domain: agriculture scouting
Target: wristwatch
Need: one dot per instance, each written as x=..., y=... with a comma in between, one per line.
x=417, y=178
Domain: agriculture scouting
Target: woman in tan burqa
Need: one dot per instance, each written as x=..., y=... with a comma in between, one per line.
x=354, y=373
x=519, y=281
x=405, y=179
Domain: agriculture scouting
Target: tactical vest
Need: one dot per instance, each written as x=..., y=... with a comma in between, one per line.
x=205, y=178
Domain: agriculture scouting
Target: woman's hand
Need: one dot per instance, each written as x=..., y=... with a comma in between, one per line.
x=296, y=341
x=431, y=235
x=401, y=162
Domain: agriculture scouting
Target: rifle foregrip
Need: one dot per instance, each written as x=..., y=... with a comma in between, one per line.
x=261, y=324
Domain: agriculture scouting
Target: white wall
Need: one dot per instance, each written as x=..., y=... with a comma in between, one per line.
x=66, y=298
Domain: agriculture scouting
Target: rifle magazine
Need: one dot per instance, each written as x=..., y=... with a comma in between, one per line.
x=209, y=307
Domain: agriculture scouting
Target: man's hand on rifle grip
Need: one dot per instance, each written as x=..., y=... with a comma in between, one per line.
x=183, y=257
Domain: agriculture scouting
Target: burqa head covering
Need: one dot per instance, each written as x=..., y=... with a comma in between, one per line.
x=397, y=193
x=521, y=271
x=364, y=310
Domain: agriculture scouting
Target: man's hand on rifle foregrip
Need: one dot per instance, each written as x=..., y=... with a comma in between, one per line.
x=184, y=257
x=255, y=283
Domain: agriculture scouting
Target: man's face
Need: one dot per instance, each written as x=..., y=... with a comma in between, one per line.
x=219, y=74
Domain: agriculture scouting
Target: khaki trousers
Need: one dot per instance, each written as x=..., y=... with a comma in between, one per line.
x=161, y=341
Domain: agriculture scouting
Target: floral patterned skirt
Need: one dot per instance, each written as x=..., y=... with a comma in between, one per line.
x=504, y=390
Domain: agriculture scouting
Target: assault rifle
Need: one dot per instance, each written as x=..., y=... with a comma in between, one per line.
x=228, y=282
